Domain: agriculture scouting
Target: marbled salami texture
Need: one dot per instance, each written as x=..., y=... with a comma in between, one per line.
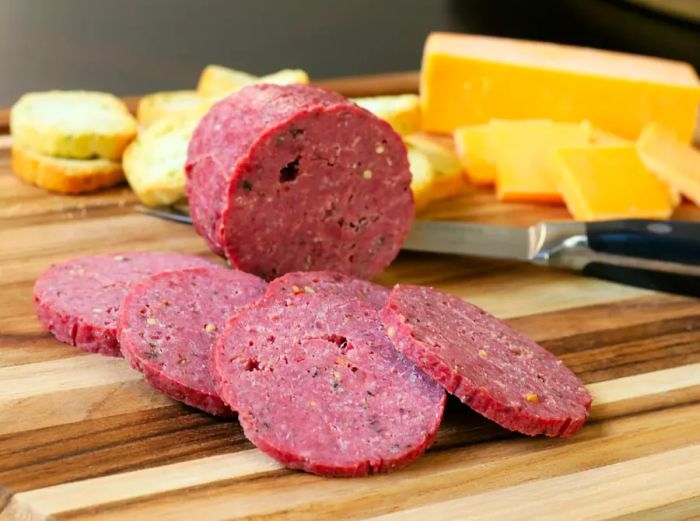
x=492, y=368
x=78, y=301
x=318, y=386
x=329, y=283
x=297, y=178
x=169, y=322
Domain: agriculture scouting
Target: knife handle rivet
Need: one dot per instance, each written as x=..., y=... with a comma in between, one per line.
x=659, y=228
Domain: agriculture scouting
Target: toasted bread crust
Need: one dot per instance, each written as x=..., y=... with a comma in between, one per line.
x=73, y=124
x=154, y=163
x=66, y=176
x=161, y=104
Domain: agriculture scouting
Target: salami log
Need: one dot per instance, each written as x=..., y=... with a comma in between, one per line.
x=297, y=178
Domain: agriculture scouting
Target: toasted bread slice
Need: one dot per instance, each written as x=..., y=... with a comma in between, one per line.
x=449, y=178
x=285, y=77
x=66, y=176
x=401, y=112
x=154, y=163
x=161, y=104
x=422, y=178
x=217, y=80
x=73, y=124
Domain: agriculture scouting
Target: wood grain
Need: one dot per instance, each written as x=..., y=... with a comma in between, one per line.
x=83, y=437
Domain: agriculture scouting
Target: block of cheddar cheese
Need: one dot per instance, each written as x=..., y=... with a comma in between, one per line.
x=473, y=146
x=468, y=80
x=672, y=160
x=523, y=156
x=601, y=182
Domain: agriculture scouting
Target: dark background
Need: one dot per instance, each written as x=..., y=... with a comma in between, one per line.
x=133, y=47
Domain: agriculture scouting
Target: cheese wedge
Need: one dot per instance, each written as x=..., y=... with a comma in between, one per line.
x=474, y=149
x=672, y=160
x=523, y=153
x=401, y=112
x=601, y=137
x=601, y=182
x=469, y=79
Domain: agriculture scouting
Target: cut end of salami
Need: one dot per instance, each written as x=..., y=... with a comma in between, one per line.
x=169, y=323
x=328, y=283
x=297, y=178
x=497, y=371
x=78, y=301
x=318, y=386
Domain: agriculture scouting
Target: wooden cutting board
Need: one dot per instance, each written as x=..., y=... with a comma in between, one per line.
x=82, y=436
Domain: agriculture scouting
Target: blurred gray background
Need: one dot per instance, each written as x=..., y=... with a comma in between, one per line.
x=136, y=46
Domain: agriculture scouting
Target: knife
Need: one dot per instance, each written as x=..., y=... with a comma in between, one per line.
x=659, y=255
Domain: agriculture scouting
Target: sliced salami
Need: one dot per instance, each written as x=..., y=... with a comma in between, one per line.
x=169, y=322
x=318, y=386
x=329, y=283
x=497, y=371
x=291, y=178
x=78, y=301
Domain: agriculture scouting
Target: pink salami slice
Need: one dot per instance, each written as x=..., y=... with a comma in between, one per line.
x=170, y=321
x=497, y=371
x=78, y=301
x=318, y=386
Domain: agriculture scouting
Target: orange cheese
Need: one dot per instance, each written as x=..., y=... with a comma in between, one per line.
x=523, y=155
x=473, y=146
x=601, y=137
x=609, y=182
x=675, y=162
x=468, y=80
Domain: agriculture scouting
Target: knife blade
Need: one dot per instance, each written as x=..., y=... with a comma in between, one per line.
x=660, y=255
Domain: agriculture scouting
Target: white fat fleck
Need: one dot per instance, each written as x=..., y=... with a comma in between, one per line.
x=119, y=258
x=379, y=149
x=151, y=321
x=367, y=174
x=210, y=328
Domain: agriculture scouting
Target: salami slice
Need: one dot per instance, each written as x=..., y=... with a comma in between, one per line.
x=497, y=371
x=78, y=301
x=169, y=322
x=329, y=283
x=318, y=386
x=292, y=178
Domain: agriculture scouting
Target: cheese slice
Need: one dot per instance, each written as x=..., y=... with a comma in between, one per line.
x=601, y=182
x=675, y=162
x=601, y=137
x=468, y=79
x=523, y=154
x=473, y=146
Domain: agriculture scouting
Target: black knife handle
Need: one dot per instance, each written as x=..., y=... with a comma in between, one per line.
x=656, y=280
x=671, y=241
